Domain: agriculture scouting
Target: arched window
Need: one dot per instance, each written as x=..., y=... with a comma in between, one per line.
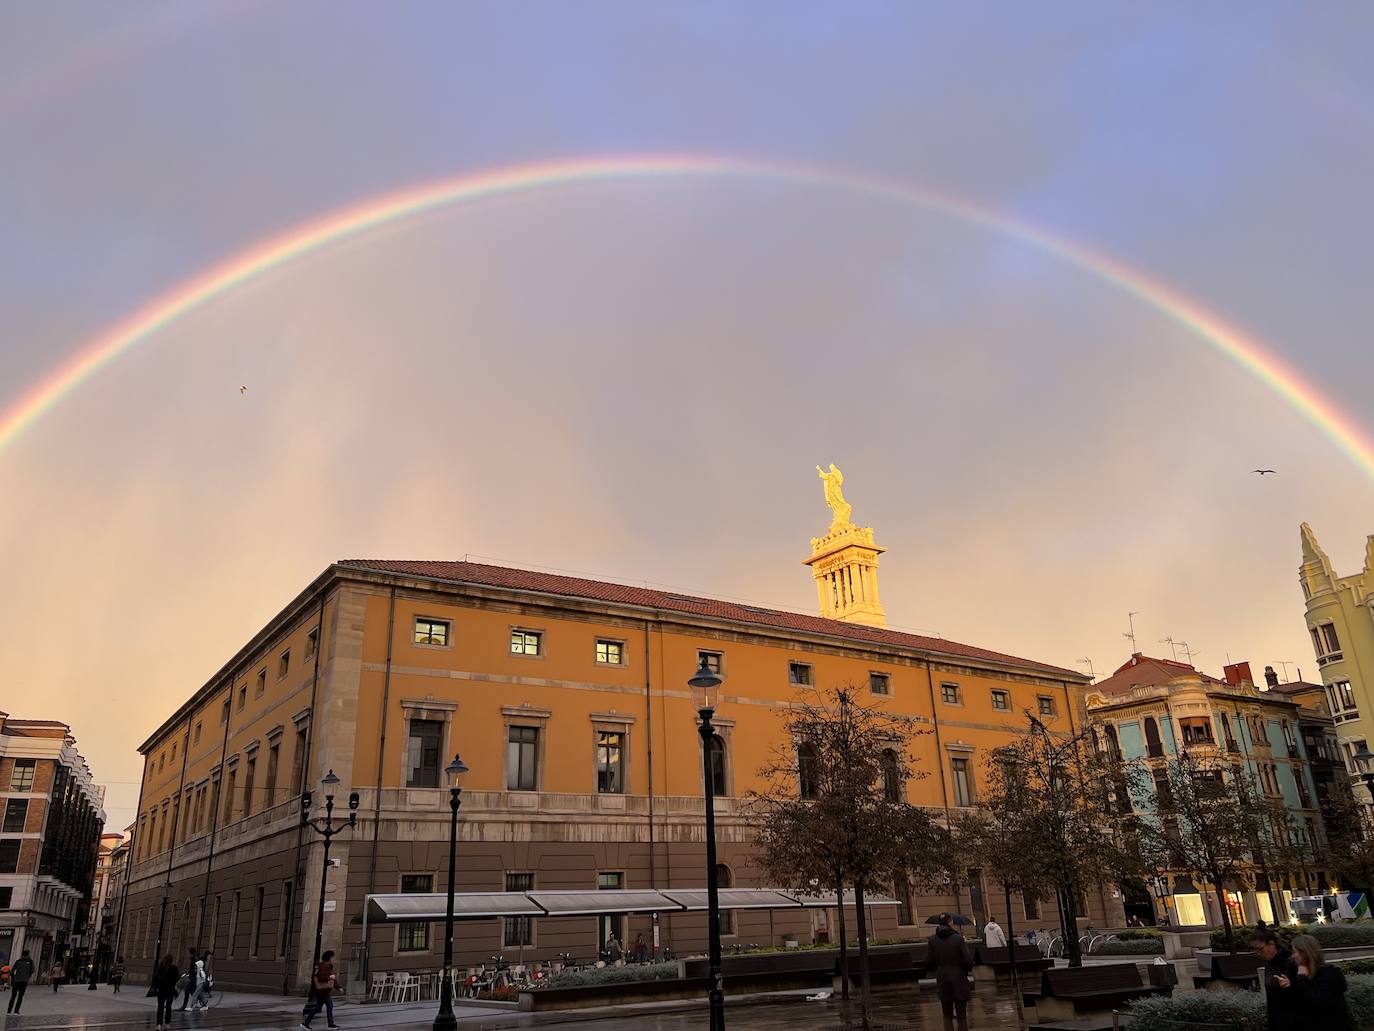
x=1153, y=746
x=717, y=755
x=807, y=770
x=892, y=776
x=1113, y=745
x=725, y=879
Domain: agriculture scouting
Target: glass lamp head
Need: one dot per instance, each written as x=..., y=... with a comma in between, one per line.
x=330, y=779
x=705, y=685
x=456, y=771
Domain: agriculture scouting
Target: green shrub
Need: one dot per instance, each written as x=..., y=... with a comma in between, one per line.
x=1243, y=1010
x=1332, y=936
x=1360, y=996
x=1139, y=934
x=1358, y=966
x=613, y=975
x=1138, y=947
x=1244, y=932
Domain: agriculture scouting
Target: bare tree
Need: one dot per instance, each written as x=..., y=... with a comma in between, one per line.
x=1349, y=848
x=835, y=809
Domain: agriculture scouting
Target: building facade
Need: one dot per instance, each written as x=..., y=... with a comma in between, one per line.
x=106, y=895
x=1150, y=710
x=1340, y=622
x=49, y=839
x=568, y=700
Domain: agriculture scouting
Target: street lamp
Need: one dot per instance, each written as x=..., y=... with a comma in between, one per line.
x=1362, y=758
x=705, y=687
x=445, y=1020
x=327, y=829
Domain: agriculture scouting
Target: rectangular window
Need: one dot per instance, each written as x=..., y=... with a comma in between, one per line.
x=614, y=924
x=433, y=632
x=422, y=755
x=1001, y=701
x=1045, y=704
x=518, y=930
x=9, y=855
x=195, y=737
x=259, y=921
x=298, y=763
x=174, y=751
x=949, y=694
x=522, y=754
x=229, y=795
x=1329, y=638
x=284, y=664
x=799, y=673
x=243, y=697
x=22, y=777
x=312, y=642
x=526, y=642
x=1031, y=905
x=1346, y=696
x=224, y=712
x=288, y=889
x=414, y=937
x=610, y=653
x=16, y=815
x=261, y=687
x=269, y=789
x=250, y=773
x=879, y=683
x=234, y=922
x=610, y=765
x=152, y=833
x=963, y=787
x=714, y=661
x=6, y=897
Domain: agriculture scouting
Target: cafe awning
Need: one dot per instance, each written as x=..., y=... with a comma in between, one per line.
x=383, y=909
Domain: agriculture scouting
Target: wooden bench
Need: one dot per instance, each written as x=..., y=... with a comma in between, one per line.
x=1089, y=991
x=1231, y=973
x=883, y=968
x=989, y=964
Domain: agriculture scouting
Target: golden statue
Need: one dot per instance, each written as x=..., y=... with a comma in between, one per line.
x=834, y=497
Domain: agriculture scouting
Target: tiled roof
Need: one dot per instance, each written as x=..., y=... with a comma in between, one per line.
x=514, y=579
x=1146, y=671
x=1297, y=686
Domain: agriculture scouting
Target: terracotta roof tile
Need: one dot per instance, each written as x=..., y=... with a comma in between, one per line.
x=510, y=578
x=1146, y=671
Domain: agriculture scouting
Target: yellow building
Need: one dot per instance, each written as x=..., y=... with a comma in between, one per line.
x=1340, y=620
x=568, y=700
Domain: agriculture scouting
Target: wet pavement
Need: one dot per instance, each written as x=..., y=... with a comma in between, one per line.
x=75, y=1009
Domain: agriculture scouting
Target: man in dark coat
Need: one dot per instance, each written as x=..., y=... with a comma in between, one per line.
x=20, y=976
x=950, y=958
x=1278, y=962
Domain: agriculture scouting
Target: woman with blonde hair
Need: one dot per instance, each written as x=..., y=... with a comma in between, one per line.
x=1319, y=988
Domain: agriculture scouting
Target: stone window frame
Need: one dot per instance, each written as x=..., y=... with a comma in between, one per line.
x=806, y=670
x=1046, y=705
x=260, y=684
x=420, y=617
x=427, y=709
x=532, y=923
x=284, y=664
x=540, y=632
x=965, y=751
x=958, y=693
x=624, y=662
x=525, y=716
x=429, y=938
x=884, y=678
x=618, y=723
x=724, y=729
x=1005, y=695
x=718, y=654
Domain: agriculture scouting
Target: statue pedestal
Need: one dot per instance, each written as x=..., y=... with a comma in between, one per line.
x=845, y=565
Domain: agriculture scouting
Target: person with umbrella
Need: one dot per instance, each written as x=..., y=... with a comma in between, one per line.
x=949, y=956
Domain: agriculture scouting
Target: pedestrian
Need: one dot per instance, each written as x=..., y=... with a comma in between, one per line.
x=117, y=974
x=322, y=995
x=613, y=952
x=1317, y=992
x=1279, y=969
x=948, y=955
x=205, y=981
x=56, y=973
x=993, y=935
x=641, y=952
x=188, y=984
x=164, y=986
x=20, y=976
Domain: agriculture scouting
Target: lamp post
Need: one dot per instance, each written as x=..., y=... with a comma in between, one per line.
x=1362, y=759
x=445, y=1020
x=705, y=691
x=325, y=826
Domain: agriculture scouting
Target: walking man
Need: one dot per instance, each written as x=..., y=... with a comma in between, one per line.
x=948, y=955
x=188, y=984
x=323, y=995
x=20, y=976
x=56, y=974
x=993, y=935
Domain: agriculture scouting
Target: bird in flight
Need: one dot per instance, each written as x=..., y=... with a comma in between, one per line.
x=1262, y=472
x=243, y=389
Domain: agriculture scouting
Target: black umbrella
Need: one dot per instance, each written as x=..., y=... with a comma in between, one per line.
x=959, y=921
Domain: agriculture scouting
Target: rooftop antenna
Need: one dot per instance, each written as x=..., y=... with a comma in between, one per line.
x=1172, y=646
x=1085, y=661
x=1285, y=666
x=1130, y=617
x=1188, y=653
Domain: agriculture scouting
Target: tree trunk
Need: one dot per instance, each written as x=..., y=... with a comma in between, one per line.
x=1011, y=956
x=1067, y=911
x=844, y=944
x=865, y=992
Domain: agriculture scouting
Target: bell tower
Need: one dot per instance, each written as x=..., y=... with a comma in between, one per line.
x=845, y=562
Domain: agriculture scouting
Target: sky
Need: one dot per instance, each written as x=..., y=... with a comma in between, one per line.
x=634, y=379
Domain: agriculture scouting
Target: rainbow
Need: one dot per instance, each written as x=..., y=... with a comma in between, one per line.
x=261, y=259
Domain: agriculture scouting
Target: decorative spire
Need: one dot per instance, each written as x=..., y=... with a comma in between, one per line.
x=845, y=561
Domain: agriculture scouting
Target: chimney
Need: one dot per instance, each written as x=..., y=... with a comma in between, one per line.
x=1238, y=673
x=1271, y=679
